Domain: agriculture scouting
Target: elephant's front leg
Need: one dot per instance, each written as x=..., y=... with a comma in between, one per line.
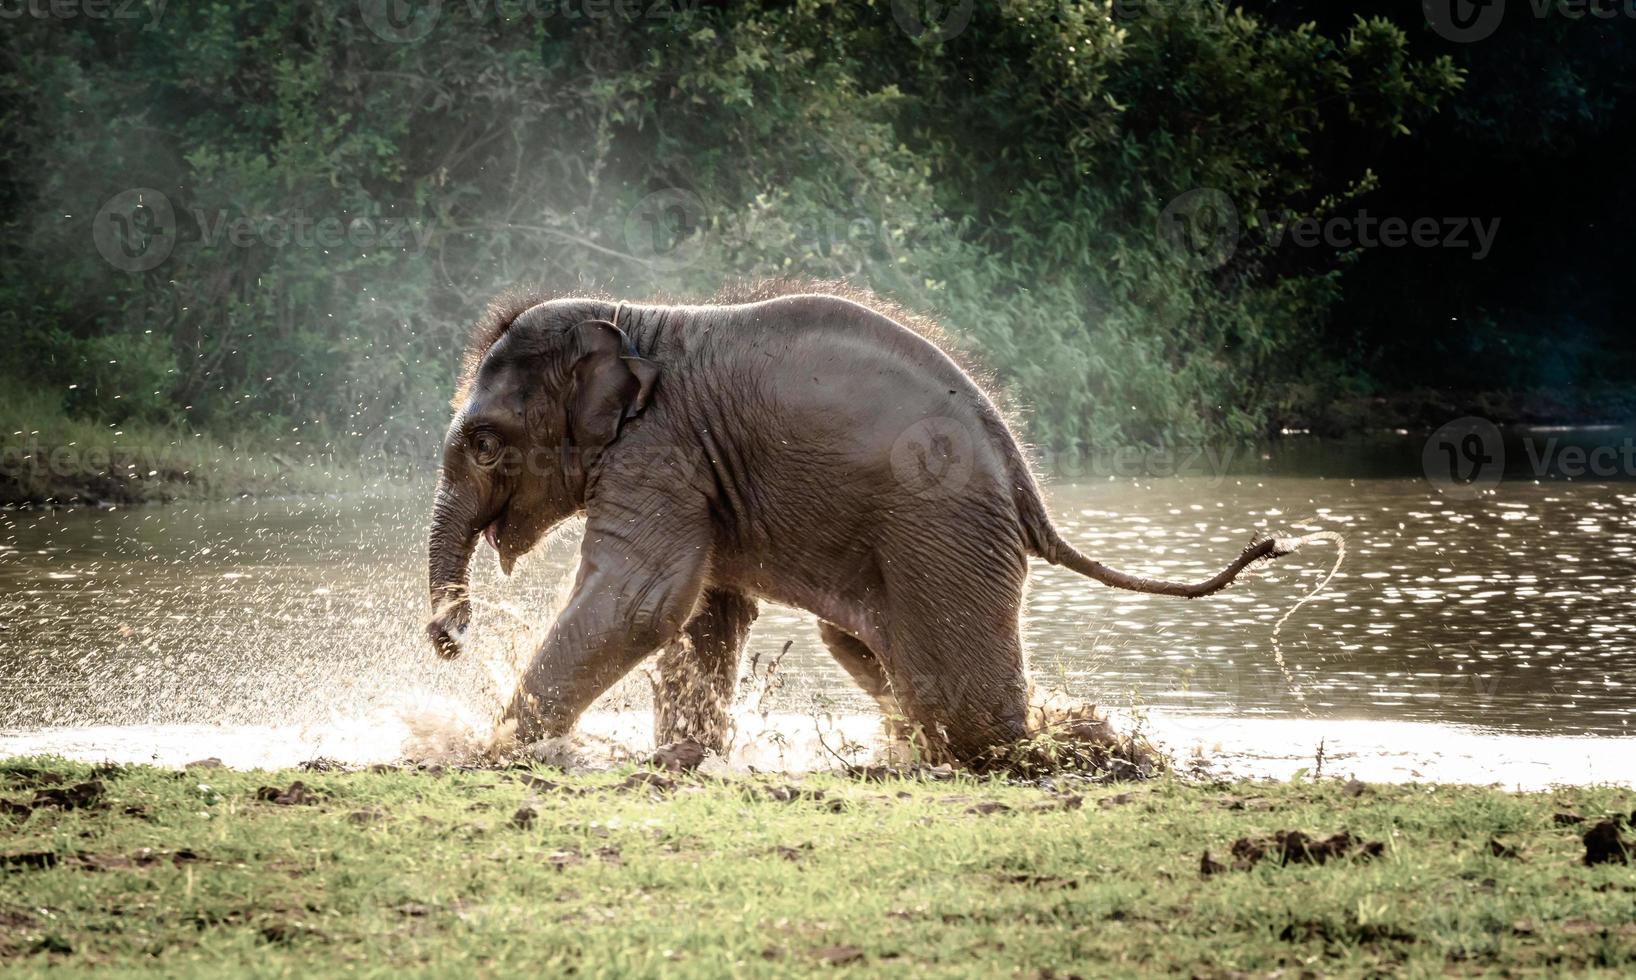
x=625, y=604
x=698, y=672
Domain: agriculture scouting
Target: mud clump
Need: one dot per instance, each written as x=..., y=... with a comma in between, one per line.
x=790, y=794
x=886, y=773
x=543, y=785
x=1071, y=736
x=1292, y=847
x=683, y=756
x=297, y=794
x=80, y=796
x=29, y=860
x=1605, y=845
x=647, y=780
x=987, y=808
x=88, y=861
x=841, y=955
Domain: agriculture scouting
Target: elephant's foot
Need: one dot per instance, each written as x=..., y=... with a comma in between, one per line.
x=689, y=704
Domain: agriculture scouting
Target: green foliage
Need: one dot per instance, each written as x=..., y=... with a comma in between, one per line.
x=345, y=204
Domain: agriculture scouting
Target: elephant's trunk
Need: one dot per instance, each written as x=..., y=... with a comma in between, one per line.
x=452, y=540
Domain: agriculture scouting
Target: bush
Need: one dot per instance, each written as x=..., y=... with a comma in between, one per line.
x=344, y=203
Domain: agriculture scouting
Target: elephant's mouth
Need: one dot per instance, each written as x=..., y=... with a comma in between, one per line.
x=493, y=534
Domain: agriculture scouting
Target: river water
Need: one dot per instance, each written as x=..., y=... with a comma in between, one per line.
x=269, y=628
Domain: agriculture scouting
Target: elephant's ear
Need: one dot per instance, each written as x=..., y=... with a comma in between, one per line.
x=609, y=384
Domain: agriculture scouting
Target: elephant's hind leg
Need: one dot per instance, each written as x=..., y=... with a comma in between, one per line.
x=698, y=672
x=954, y=654
x=863, y=666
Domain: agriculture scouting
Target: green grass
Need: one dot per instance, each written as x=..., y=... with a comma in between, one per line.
x=47, y=455
x=405, y=871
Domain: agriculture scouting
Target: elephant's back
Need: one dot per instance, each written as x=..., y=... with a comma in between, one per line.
x=839, y=381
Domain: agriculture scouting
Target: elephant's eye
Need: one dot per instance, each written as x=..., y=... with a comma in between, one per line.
x=486, y=447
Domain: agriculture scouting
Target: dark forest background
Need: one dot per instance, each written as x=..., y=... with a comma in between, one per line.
x=272, y=223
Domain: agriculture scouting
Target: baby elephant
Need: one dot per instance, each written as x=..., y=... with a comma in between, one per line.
x=804, y=449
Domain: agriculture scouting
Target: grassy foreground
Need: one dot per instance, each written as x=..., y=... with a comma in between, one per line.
x=626, y=873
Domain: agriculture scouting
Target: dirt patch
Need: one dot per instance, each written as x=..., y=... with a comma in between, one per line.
x=296, y=794
x=141, y=858
x=80, y=796
x=1040, y=881
x=885, y=773
x=564, y=859
x=792, y=853
x=840, y=955
x=31, y=777
x=89, y=861
x=525, y=817
x=1500, y=849
x=789, y=794
x=543, y=785
x=1292, y=847
x=29, y=860
x=647, y=780
x=987, y=808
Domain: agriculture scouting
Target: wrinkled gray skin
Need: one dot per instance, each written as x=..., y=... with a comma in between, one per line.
x=804, y=450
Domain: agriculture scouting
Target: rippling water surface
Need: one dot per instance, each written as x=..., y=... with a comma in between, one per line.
x=1511, y=612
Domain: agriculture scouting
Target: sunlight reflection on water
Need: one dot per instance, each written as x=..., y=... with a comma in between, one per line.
x=1512, y=613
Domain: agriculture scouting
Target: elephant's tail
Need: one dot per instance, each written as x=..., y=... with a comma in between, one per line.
x=1050, y=546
